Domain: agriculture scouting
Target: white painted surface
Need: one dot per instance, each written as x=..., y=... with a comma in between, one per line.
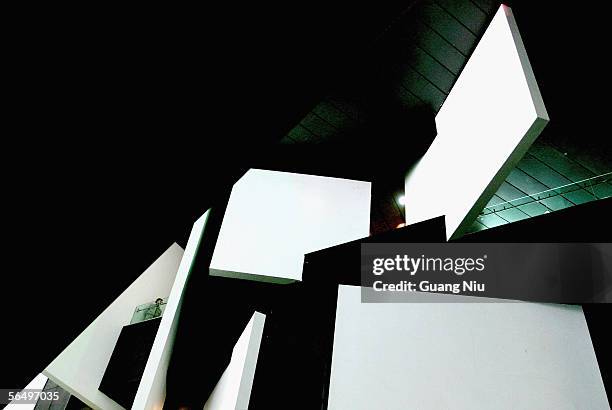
x=80, y=367
x=37, y=383
x=461, y=356
x=274, y=218
x=489, y=120
x=152, y=389
x=233, y=390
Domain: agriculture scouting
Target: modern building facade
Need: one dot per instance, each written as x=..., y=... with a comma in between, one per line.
x=261, y=306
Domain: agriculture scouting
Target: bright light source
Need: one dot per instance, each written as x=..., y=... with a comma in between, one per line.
x=401, y=200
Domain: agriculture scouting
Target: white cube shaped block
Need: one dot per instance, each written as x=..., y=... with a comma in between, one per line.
x=274, y=218
x=489, y=120
x=451, y=352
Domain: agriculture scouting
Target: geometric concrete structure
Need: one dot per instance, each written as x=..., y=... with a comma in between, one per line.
x=152, y=389
x=326, y=348
x=233, y=390
x=461, y=355
x=274, y=218
x=489, y=120
x=79, y=368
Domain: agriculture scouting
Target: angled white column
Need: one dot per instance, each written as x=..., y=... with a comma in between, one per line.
x=489, y=120
x=151, y=392
x=274, y=218
x=80, y=367
x=233, y=391
x=451, y=352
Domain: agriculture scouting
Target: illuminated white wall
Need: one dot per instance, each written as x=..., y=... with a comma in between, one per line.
x=80, y=367
x=274, y=218
x=461, y=356
x=490, y=118
x=233, y=391
x=152, y=389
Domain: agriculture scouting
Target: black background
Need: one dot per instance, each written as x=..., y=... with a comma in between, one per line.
x=123, y=123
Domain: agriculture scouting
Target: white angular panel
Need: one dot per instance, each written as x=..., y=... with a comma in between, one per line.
x=79, y=368
x=461, y=355
x=233, y=391
x=274, y=218
x=489, y=120
x=151, y=392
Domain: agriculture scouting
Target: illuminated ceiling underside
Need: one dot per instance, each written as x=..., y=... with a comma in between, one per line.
x=421, y=56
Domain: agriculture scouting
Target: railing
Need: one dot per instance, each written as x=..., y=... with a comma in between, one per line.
x=148, y=311
x=589, y=184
